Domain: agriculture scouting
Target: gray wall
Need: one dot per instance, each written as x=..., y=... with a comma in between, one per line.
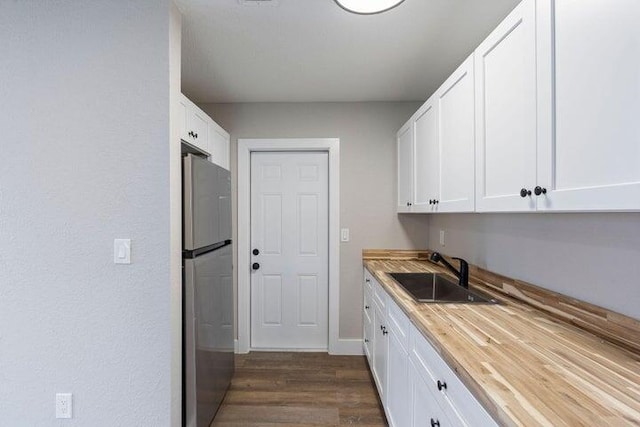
x=367, y=176
x=84, y=159
x=594, y=257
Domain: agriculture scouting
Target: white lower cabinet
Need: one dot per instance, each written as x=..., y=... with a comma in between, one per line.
x=367, y=319
x=380, y=352
x=398, y=382
x=424, y=409
x=416, y=386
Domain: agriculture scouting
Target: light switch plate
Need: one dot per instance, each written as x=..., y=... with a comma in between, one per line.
x=64, y=405
x=441, y=237
x=122, y=251
x=344, y=235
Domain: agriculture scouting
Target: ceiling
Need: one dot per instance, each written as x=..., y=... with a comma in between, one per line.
x=314, y=51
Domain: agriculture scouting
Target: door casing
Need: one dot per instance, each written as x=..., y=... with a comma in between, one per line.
x=332, y=147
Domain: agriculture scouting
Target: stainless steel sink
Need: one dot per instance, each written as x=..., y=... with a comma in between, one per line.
x=435, y=287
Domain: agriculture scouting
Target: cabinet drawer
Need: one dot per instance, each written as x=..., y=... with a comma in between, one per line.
x=398, y=323
x=368, y=307
x=454, y=397
x=368, y=281
x=379, y=295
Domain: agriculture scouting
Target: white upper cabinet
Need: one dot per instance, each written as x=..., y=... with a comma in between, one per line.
x=426, y=158
x=553, y=94
x=443, y=153
x=199, y=131
x=589, y=76
x=219, y=141
x=405, y=167
x=194, y=128
x=456, y=141
x=505, y=75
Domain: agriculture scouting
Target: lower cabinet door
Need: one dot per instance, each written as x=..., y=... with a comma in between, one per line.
x=398, y=385
x=424, y=410
x=380, y=347
x=368, y=328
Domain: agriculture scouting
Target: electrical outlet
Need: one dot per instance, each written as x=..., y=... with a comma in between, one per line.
x=441, y=237
x=64, y=406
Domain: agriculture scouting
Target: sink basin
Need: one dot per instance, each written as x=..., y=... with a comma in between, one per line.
x=435, y=287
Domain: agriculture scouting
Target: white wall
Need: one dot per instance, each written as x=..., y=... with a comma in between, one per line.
x=84, y=159
x=594, y=257
x=367, y=176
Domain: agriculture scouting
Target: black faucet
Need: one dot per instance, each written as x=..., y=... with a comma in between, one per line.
x=462, y=275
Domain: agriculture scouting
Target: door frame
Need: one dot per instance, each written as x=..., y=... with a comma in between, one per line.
x=245, y=148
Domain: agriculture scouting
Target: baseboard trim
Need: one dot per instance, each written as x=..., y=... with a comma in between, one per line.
x=348, y=347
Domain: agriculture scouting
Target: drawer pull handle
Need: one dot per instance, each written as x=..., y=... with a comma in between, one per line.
x=435, y=423
x=442, y=385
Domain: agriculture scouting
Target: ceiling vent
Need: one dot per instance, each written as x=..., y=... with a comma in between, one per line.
x=260, y=3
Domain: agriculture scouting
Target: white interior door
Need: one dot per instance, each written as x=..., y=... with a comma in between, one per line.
x=289, y=233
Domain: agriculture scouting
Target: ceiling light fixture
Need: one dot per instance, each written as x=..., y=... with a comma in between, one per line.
x=368, y=7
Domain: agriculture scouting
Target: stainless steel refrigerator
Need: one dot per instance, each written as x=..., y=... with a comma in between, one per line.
x=207, y=289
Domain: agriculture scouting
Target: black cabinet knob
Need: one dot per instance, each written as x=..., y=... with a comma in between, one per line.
x=539, y=190
x=384, y=332
x=442, y=385
x=436, y=201
x=255, y=266
x=366, y=307
x=524, y=192
x=430, y=201
x=435, y=423
x=196, y=135
x=366, y=340
x=381, y=328
x=367, y=280
x=255, y=252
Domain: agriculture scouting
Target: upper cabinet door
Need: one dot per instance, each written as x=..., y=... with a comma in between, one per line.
x=426, y=158
x=219, y=145
x=591, y=160
x=505, y=76
x=405, y=167
x=194, y=125
x=456, y=141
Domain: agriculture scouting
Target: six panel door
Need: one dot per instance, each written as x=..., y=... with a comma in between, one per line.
x=289, y=235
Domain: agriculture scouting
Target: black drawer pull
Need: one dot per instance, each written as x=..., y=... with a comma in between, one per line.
x=442, y=385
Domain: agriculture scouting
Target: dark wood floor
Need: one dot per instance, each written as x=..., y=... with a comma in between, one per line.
x=302, y=389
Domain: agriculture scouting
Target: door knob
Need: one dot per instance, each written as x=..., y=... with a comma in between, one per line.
x=255, y=252
x=255, y=266
x=524, y=192
x=539, y=190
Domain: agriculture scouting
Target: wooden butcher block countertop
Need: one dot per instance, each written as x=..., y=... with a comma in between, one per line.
x=526, y=367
